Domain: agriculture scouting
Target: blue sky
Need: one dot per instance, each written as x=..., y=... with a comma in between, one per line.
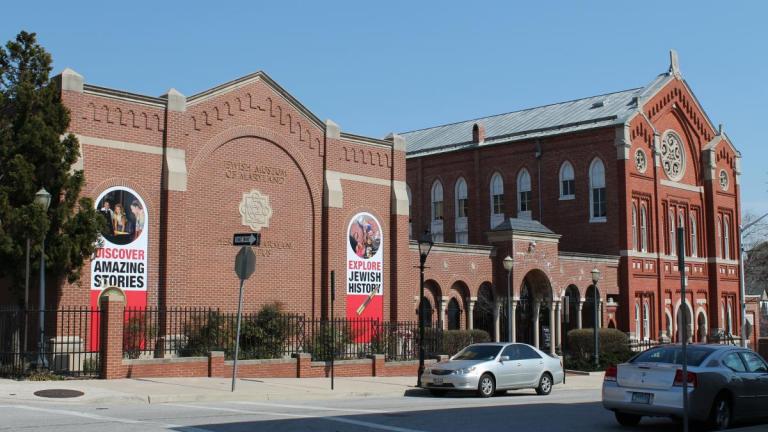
x=377, y=67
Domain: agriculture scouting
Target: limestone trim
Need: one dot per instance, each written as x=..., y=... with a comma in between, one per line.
x=175, y=170
x=359, y=139
x=456, y=248
x=124, y=96
x=120, y=145
x=71, y=81
x=683, y=186
x=400, y=198
x=334, y=192
x=592, y=258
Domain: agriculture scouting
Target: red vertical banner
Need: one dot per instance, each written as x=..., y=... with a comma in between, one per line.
x=365, y=273
x=121, y=258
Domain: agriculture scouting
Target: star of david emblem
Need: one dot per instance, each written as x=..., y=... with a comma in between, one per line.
x=255, y=210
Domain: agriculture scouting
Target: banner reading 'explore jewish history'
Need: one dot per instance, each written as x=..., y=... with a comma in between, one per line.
x=365, y=268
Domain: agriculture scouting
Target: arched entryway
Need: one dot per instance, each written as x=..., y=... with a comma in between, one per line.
x=588, y=310
x=534, y=318
x=427, y=310
x=688, y=320
x=701, y=327
x=571, y=307
x=433, y=295
x=483, y=315
x=454, y=315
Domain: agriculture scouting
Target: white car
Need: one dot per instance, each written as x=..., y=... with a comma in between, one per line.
x=490, y=367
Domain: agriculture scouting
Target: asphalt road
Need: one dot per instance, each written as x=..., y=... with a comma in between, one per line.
x=564, y=410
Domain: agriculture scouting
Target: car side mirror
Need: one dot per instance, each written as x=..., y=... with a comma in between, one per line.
x=503, y=358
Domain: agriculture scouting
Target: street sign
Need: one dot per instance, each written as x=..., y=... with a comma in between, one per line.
x=245, y=263
x=246, y=239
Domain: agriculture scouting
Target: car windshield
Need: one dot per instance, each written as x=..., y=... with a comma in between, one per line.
x=673, y=355
x=478, y=352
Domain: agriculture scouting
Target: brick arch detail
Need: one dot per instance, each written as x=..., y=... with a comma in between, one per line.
x=116, y=181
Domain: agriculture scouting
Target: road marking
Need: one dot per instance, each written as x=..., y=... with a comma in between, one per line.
x=305, y=416
x=103, y=418
x=316, y=408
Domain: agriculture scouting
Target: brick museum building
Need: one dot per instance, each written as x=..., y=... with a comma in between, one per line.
x=595, y=183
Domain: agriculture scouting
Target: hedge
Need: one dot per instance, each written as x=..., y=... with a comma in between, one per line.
x=614, y=348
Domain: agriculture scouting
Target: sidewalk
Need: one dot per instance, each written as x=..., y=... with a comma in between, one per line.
x=164, y=390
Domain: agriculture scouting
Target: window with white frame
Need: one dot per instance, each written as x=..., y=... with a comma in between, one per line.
x=567, y=181
x=597, y=198
x=497, y=199
x=672, y=234
x=681, y=224
x=462, y=210
x=726, y=238
x=437, y=212
x=643, y=228
x=729, y=319
x=694, y=236
x=634, y=227
x=637, y=320
x=524, y=194
x=646, y=321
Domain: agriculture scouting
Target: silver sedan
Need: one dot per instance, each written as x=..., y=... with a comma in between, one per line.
x=490, y=367
x=725, y=383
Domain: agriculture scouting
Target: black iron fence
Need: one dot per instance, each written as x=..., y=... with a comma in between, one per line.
x=187, y=332
x=68, y=346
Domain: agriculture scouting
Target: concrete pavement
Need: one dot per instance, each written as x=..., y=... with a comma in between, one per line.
x=164, y=390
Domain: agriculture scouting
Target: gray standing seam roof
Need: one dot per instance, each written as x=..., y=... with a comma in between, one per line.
x=571, y=116
x=519, y=224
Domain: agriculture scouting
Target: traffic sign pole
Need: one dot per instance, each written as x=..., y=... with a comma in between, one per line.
x=237, y=338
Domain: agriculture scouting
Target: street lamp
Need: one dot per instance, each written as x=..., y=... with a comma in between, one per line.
x=508, y=262
x=42, y=199
x=596, y=299
x=425, y=245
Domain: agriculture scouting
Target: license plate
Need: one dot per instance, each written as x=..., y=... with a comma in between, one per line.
x=437, y=381
x=641, y=398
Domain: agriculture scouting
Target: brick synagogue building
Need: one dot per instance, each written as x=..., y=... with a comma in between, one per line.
x=595, y=183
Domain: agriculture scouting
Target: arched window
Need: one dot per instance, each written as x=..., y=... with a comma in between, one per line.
x=410, y=211
x=524, y=194
x=634, y=227
x=437, y=212
x=694, y=236
x=646, y=322
x=719, y=236
x=643, y=229
x=462, y=209
x=567, y=181
x=597, y=197
x=637, y=321
x=681, y=224
x=672, y=234
x=726, y=238
x=454, y=315
x=497, y=200
x=729, y=319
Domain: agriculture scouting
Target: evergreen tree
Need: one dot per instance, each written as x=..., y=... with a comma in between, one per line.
x=37, y=152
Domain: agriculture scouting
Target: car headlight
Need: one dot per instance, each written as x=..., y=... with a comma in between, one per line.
x=465, y=371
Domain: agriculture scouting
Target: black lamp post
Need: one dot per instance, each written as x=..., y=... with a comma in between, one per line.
x=596, y=300
x=43, y=199
x=425, y=245
x=508, y=262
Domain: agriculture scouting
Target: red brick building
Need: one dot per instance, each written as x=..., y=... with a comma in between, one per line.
x=602, y=181
x=599, y=182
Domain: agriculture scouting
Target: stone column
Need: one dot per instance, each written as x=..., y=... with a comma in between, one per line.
x=471, y=312
x=497, y=320
x=559, y=326
x=514, y=320
x=536, y=310
x=443, y=309
x=578, y=316
x=552, y=327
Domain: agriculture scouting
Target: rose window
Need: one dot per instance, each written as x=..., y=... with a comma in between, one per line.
x=672, y=156
x=723, y=180
x=641, y=163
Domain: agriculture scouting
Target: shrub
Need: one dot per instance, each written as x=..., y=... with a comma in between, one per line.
x=330, y=341
x=455, y=340
x=264, y=336
x=614, y=348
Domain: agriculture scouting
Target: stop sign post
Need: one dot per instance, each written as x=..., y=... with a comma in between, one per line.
x=245, y=265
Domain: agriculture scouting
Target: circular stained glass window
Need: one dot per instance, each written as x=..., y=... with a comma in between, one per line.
x=641, y=162
x=672, y=156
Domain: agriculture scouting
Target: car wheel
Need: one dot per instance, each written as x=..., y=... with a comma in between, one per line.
x=437, y=392
x=486, y=387
x=545, y=385
x=625, y=419
x=721, y=415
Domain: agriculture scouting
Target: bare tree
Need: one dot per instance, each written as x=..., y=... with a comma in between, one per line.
x=757, y=233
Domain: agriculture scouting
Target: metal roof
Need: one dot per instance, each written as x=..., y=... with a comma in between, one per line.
x=520, y=224
x=571, y=116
